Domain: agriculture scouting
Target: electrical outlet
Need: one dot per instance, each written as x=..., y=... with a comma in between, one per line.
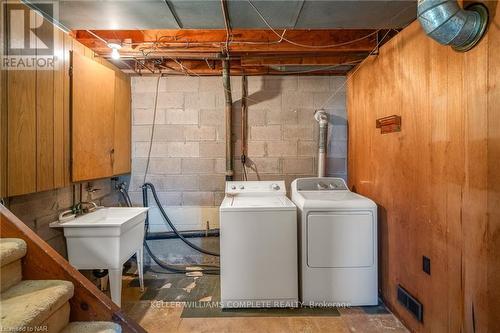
x=426, y=264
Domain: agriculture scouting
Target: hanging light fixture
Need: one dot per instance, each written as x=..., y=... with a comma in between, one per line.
x=115, y=54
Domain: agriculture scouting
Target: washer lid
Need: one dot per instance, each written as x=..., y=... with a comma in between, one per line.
x=244, y=203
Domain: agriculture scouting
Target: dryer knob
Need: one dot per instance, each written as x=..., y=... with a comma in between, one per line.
x=242, y=187
x=275, y=187
x=233, y=187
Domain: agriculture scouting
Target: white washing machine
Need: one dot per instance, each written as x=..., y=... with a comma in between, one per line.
x=258, y=246
x=338, y=243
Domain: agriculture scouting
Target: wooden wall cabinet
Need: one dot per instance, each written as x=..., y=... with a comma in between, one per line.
x=36, y=139
x=100, y=126
x=32, y=126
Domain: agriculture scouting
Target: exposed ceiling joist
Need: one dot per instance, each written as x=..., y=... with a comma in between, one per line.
x=242, y=42
x=200, y=68
x=303, y=60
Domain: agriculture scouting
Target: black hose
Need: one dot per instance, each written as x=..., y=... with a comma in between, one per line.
x=170, y=267
x=172, y=226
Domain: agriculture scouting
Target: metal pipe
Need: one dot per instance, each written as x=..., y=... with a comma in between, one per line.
x=185, y=234
x=322, y=118
x=244, y=124
x=448, y=24
x=226, y=81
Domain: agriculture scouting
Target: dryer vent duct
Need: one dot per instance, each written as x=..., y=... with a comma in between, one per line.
x=448, y=24
x=322, y=118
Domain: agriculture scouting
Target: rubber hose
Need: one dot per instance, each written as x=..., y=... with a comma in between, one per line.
x=174, y=268
x=172, y=226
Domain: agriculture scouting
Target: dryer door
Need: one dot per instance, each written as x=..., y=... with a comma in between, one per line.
x=340, y=239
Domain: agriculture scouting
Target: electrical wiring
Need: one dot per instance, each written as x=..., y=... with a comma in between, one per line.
x=334, y=94
x=97, y=36
x=152, y=128
x=305, y=45
x=150, y=186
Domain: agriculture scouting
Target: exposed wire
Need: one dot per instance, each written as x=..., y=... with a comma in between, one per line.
x=226, y=24
x=187, y=43
x=97, y=36
x=334, y=94
x=305, y=45
x=322, y=68
x=152, y=128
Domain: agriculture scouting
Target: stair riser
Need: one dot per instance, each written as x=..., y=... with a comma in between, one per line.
x=10, y=275
x=58, y=320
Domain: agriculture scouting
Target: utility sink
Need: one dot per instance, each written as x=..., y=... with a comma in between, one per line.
x=106, y=239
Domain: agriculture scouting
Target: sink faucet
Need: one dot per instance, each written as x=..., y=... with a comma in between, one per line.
x=80, y=209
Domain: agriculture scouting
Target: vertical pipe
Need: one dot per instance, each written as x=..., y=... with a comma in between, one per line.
x=322, y=118
x=226, y=81
x=244, y=117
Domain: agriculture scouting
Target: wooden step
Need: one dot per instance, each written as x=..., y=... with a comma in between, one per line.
x=92, y=327
x=31, y=303
x=11, y=249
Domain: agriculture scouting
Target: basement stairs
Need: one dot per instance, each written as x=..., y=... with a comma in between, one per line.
x=41, y=292
x=37, y=305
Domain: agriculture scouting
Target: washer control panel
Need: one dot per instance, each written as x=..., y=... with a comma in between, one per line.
x=321, y=184
x=256, y=187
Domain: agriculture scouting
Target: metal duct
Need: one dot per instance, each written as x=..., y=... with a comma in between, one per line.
x=448, y=24
x=322, y=118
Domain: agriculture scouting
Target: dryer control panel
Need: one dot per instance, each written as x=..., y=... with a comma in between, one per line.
x=321, y=184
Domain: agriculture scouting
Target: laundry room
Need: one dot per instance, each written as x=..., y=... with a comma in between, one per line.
x=250, y=166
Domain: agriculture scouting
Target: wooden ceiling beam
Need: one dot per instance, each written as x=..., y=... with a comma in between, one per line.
x=199, y=67
x=304, y=60
x=243, y=42
x=249, y=72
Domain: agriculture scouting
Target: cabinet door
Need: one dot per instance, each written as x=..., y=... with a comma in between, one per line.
x=21, y=132
x=92, y=124
x=122, y=140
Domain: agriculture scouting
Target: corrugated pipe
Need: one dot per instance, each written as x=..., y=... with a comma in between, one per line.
x=322, y=118
x=226, y=81
x=448, y=24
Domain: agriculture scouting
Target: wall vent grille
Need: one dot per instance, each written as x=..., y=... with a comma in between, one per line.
x=410, y=303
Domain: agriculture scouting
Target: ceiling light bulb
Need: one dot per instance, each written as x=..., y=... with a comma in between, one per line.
x=115, y=54
x=114, y=50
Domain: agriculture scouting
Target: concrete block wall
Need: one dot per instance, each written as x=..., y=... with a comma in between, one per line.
x=187, y=155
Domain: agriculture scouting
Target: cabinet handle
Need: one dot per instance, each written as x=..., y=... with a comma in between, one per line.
x=112, y=154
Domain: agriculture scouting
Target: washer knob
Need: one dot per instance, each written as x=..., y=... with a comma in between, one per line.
x=233, y=187
x=242, y=187
x=275, y=187
x=321, y=186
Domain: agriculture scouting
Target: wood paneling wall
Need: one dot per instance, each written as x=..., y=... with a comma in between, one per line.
x=437, y=182
x=35, y=122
